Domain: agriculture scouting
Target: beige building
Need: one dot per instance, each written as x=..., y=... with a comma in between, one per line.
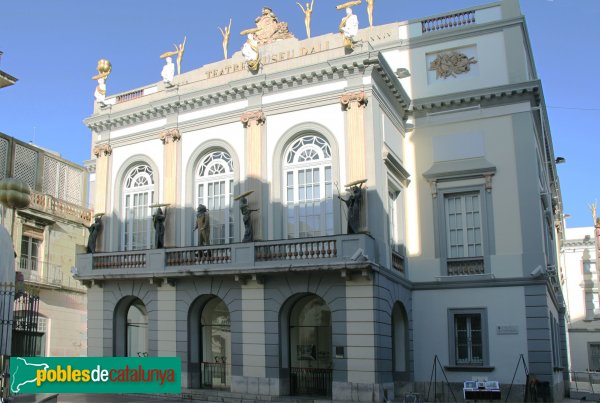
x=443, y=264
x=47, y=236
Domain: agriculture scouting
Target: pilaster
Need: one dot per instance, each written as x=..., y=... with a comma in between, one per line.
x=166, y=301
x=256, y=166
x=354, y=104
x=172, y=155
x=103, y=191
x=95, y=322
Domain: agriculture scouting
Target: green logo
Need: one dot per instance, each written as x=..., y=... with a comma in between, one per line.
x=95, y=375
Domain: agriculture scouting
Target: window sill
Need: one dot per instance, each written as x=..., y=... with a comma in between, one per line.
x=468, y=368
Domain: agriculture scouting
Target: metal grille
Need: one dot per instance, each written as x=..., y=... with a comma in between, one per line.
x=3, y=157
x=25, y=165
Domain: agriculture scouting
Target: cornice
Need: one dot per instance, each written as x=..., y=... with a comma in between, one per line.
x=319, y=73
x=531, y=88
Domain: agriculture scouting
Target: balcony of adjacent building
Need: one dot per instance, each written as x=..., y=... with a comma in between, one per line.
x=349, y=254
x=47, y=275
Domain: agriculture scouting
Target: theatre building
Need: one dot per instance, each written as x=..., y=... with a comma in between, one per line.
x=453, y=239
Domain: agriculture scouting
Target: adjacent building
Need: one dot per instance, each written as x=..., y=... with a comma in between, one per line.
x=47, y=236
x=581, y=286
x=452, y=262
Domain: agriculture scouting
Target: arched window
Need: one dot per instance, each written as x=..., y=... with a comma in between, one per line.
x=138, y=195
x=307, y=181
x=214, y=189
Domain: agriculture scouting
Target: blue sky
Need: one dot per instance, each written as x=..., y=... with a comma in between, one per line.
x=52, y=47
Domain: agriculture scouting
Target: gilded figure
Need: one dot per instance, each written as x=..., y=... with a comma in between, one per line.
x=179, y=49
x=226, y=31
x=307, y=15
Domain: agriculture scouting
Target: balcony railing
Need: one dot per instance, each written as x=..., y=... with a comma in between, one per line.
x=448, y=21
x=398, y=262
x=465, y=266
x=229, y=258
x=44, y=273
x=60, y=208
x=216, y=375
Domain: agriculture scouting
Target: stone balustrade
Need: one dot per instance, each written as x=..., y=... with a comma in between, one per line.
x=436, y=24
x=230, y=258
x=60, y=208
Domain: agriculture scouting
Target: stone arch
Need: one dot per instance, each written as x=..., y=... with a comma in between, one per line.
x=127, y=335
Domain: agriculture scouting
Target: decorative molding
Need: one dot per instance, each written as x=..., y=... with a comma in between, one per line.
x=451, y=64
x=102, y=150
x=349, y=99
x=170, y=136
x=258, y=117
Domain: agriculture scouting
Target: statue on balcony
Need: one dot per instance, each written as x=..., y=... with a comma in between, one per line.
x=202, y=225
x=354, y=202
x=158, y=219
x=246, y=216
x=94, y=230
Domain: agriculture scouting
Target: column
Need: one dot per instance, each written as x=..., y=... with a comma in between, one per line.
x=103, y=189
x=256, y=167
x=354, y=104
x=172, y=152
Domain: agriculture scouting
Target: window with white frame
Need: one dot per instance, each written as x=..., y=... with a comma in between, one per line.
x=308, y=191
x=214, y=189
x=468, y=337
x=138, y=196
x=31, y=250
x=463, y=225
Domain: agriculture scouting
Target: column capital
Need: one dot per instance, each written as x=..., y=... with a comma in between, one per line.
x=349, y=99
x=102, y=150
x=258, y=117
x=170, y=136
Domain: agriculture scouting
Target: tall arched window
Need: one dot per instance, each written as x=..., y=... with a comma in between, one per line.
x=216, y=344
x=307, y=181
x=138, y=195
x=137, y=330
x=214, y=189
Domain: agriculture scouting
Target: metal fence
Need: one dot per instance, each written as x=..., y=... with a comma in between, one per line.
x=216, y=375
x=310, y=381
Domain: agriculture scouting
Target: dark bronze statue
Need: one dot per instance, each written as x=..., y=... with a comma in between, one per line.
x=202, y=225
x=246, y=215
x=353, y=202
x=94, y=230
x=158, y=220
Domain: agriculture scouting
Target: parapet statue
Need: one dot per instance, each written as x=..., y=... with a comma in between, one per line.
x=349, y=24
x=354, y=203
x=250, y=52
x=307, y=14
x=104, y=68
x=370, y=8
x=225, y=32
x=94, y=230
x=168, y=71
x=270, y=29
x=202, y=225
x=158, y=219
x=179, y=49
x=246, y=216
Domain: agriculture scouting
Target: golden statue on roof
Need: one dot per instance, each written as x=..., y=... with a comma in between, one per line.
x=307, y=14
x=225, y=32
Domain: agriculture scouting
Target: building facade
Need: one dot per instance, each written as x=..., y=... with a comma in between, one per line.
x=47, y=236
x=581, y=284
x=450, y=268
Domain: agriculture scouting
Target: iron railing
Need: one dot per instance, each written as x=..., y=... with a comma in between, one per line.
x=310, y=381
x=585, y=384
x=216, y=375
x=41, y=272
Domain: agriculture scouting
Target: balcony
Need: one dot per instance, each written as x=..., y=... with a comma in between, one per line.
x=331, y=252
x=47, y=274
x=60, y=208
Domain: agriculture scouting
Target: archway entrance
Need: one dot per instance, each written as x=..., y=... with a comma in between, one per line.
x=310, y=347
x=131, y=328
x=400, y=362
x=210, y=344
